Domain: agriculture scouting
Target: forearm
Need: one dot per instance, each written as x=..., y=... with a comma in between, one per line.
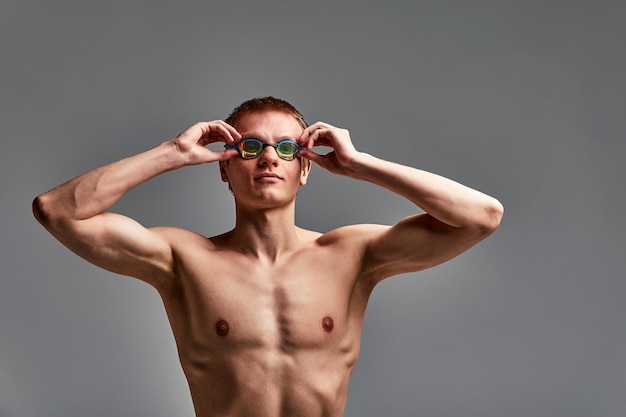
x=97, y=190
x=448, y=201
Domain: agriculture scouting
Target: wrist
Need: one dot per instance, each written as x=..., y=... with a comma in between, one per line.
x=173, y=155
x=362, y=166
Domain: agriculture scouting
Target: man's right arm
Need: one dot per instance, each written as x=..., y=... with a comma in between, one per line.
x=75, y=212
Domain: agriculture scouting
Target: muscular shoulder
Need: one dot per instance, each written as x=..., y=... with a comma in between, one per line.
x=175, y=235
x=184, y=243
x=367, y=246
x=351, y=243
x=359, y=234
x=188, y=250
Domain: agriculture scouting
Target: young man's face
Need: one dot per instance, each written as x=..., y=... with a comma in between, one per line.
x=267, y=179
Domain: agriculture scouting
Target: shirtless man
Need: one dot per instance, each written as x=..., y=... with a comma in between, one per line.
x=267, y=317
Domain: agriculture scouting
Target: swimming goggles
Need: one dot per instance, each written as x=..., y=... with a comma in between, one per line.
x=251, y=148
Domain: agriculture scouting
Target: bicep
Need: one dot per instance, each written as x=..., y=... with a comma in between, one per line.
x=415, y=243
x=118, y=244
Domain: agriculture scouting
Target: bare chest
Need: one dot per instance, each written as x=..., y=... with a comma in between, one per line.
x=236, y=303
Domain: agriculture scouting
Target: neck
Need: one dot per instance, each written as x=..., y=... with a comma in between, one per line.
x=265, y=233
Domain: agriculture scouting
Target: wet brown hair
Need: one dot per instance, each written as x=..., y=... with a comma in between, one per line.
x=267, y=103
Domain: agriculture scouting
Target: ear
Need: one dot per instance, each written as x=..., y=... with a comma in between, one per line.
x=305, y=169
x=223, y=173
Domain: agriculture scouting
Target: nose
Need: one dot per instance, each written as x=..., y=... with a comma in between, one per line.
x=269, y=155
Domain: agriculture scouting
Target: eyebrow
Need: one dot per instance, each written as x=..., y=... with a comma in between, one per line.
x=253, y=135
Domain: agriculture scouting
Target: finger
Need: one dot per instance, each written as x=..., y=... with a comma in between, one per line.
x=319, y=137
x=311, y=129
x=234, y=133
x=313, y=156
x=225, y=154
x=217, y=130
x=227, y=132
x=308, y=136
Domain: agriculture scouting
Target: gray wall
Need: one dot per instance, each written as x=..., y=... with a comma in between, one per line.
x=521, y=99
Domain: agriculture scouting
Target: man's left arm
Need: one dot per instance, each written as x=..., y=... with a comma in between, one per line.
x=455, y=216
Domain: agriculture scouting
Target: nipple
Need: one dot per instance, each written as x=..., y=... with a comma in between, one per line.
x=327, y=324
x=222, y=328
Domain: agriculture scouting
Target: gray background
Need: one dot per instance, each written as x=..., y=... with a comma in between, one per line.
x=521, y=99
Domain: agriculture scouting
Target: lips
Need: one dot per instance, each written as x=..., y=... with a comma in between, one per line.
x=267, y=175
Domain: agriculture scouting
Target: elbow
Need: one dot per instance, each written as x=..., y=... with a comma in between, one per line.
x=42, y=211
x=39, y=210
x=493, y=213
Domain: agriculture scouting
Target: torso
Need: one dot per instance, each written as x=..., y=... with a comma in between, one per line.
x=267, y=338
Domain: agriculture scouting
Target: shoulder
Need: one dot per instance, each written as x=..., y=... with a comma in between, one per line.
x=184, y=240
x=353, y=234
x=172, y=234
x=349, y=248
x=352, y=241
x=191, y=252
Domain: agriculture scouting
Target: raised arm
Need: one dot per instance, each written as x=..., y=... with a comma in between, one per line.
x=456, y=217
x=75, y=212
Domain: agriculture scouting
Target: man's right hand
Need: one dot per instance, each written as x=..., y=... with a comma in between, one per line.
x=192, y=142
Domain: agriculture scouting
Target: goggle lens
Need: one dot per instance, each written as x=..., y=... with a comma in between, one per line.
x=287, y=150
x=250, y=149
